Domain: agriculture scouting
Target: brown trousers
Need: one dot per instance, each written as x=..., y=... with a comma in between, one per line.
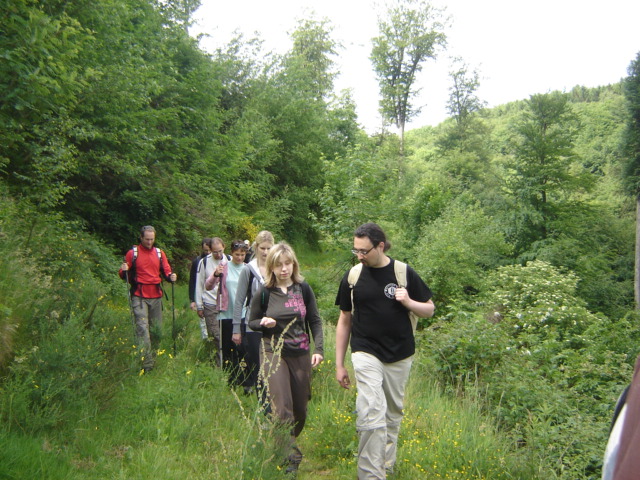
x=288, y=383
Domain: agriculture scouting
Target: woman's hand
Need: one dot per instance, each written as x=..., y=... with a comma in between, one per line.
x=316, y=359
x=236, y=338
x=267, y=322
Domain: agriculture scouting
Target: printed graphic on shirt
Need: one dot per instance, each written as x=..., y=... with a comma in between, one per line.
x=296, y=338
x=390, y=290
x=297, y=303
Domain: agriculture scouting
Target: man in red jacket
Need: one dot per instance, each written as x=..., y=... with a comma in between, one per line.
x=144, y=267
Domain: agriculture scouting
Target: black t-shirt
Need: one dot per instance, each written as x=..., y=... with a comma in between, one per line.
x=380, y=324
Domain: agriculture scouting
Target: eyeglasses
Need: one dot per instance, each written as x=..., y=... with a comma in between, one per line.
x=217, y=252
x=237, y=246
x=355, y=251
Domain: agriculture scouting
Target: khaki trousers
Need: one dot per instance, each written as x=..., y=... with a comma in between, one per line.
x=381, y=388
x=148, y=315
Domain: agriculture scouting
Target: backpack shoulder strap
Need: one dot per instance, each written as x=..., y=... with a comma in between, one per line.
x=264, y=298
x=306, y=292
x=249, y=287
x=160, y=266
x=354, y=275
x=400, y=270
x=306, y=297
x=352, y=279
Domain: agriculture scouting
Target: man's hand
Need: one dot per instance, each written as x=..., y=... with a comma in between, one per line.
x=343, y=377
x=402, y=296
x=236, y=338
x=218, y=271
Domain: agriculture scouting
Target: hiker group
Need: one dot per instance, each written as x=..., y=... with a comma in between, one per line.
x=258, y=317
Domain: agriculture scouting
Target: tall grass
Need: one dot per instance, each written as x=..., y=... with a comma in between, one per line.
x=183, y=421
x=74, y=404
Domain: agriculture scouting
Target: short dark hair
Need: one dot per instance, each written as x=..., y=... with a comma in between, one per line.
x=373, y=232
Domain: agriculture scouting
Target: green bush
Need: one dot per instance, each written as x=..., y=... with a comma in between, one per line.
x=550, y=370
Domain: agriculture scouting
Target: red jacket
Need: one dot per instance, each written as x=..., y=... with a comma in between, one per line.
x=147, y=273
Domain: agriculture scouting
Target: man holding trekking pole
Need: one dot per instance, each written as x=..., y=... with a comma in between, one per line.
x=207, y=300
x=144, y=267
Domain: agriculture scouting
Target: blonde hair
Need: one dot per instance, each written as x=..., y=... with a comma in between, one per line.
x=263, y=236
x=277, y=254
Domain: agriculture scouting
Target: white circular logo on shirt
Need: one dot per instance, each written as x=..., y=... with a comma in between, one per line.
x=390, y=290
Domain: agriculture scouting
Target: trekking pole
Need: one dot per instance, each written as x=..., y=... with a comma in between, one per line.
x=220, y=340
x=133, y=317
x=173, y=311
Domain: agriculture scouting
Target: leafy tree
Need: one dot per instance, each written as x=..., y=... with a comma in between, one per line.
x=463, y=100
x=410, y=35
x=311, y=56
x=632, y=148
x=456, y=250
x=147, y=125
x=40, y=83
x=351, y=181
x=542, y=181
x=304, y=125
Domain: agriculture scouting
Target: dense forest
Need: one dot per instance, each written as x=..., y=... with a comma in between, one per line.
x=521, y=218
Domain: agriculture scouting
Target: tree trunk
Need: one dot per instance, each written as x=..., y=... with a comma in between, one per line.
x=636, y=281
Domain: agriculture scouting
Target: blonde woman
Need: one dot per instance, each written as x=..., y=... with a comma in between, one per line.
x=285, y=311
x=249, y=282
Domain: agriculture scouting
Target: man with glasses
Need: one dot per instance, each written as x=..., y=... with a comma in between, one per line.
x=374, y=320
x=206, y=300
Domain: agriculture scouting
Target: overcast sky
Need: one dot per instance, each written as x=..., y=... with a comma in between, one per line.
x=519, y=47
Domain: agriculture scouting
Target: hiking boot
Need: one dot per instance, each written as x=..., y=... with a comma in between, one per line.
x=293, y=461
x=292, y=469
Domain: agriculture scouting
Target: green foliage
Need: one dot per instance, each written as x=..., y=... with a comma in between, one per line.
x=59, y=345
x=463, y=100
x=411, y=34
x=455, y=251
x=632, y=133
x=345, y=198
x=40, y=81
x=112, y=117
x=542, y=182
x=550, y=369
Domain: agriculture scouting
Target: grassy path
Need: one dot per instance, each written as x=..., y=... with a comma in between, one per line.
x=182, y=421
